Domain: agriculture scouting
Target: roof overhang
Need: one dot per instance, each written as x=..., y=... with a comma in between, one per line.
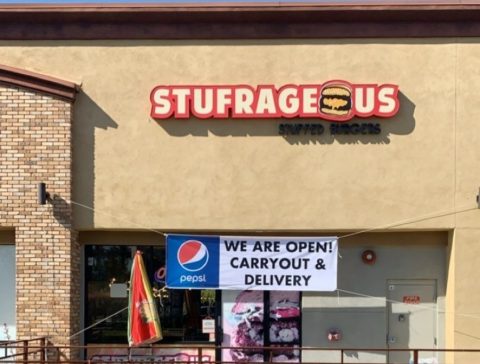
x=40, y=83
x=240, y=21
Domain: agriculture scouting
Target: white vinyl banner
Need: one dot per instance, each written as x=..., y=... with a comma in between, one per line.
x=278, y=263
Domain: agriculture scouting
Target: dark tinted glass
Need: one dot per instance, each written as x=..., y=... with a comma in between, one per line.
x=180, y=311
x=106, y=265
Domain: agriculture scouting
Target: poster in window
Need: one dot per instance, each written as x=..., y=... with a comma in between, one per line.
x=285, y=321
x=243, y=314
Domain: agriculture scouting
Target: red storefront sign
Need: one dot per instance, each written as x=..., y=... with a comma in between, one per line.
x=334, y=100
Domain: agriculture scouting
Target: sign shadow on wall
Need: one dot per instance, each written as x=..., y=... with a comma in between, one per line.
x=306, y=131
x=88, y=116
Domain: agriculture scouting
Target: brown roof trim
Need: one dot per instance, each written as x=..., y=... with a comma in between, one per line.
x=236, y=6
x=36, y=82
x=240, y=21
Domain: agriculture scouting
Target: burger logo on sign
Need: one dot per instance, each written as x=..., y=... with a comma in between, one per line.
x=334, y=101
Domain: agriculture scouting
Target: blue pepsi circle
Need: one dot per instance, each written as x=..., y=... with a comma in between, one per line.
x=192, y=255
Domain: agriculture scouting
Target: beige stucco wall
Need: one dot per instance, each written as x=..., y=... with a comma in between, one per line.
x=216, y=175
x=465, y=329
x=450, y=297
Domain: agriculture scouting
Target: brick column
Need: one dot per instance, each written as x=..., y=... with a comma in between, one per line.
x=36, y=146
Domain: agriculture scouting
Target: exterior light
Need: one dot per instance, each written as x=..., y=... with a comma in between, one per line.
x=43, y=195
x=369, y=257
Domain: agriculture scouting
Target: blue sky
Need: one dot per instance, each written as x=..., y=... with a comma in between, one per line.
x=164, y=1
x=79, y=1
x=212, y=1
x=91, y=1
x=121, y=1
x=105, y=1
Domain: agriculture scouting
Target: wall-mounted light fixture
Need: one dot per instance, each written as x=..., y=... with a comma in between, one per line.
x=43, y=195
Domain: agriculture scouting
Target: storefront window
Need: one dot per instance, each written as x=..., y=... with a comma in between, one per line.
x=107, y=274
x=247, y=323
x=285, y=325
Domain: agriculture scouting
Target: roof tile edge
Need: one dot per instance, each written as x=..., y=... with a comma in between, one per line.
x=65, y=90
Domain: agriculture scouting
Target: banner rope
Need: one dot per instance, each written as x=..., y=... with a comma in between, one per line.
x=99, y=322
x=117, y=218
x=380, y=227
x=411, y=221
x=338, y=290
x=422, y=305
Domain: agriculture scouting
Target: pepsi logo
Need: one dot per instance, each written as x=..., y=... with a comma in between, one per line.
x=192, y=255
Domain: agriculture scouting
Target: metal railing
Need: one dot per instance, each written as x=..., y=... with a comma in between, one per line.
x=39, y=351
x=24, y=350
